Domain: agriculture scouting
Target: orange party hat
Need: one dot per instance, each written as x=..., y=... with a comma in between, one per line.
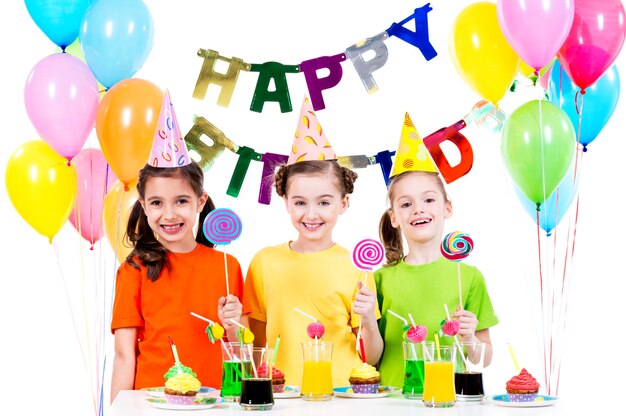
x=310, y=142
x=168, y=148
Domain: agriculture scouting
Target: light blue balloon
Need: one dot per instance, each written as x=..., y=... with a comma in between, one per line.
x=555, y=207
x=116, y=37
x=598, y=103
x=59, y=20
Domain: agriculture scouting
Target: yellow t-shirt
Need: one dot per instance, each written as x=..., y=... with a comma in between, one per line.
x=322, y=284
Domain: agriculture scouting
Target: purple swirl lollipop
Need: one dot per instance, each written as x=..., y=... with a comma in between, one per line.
x=222, y=226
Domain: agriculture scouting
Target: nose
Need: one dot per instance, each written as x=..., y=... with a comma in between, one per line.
x=169, y=212
x=311, y=211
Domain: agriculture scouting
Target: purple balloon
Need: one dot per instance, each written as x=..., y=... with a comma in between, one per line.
x=62, y=97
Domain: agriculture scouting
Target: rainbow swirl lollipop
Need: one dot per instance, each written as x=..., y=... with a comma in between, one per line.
x=367, y=254
x=222, y=226
x=456, y=246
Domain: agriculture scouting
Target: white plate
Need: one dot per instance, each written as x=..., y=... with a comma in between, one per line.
x=160, y=403
x=289, y=392
x=503, y=400
x=383, y=391
x=158, y=391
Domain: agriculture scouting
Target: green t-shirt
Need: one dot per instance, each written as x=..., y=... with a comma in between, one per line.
x=422, y=291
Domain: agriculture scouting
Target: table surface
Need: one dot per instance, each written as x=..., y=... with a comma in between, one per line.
x=133, y=402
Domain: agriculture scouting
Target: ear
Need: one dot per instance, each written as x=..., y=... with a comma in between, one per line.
x=202, y=201
x=143, y=204
x=286, y=201
x=392, y=218
x=345, y=203
x=447, y=210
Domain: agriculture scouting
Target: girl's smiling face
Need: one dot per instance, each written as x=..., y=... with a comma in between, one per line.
x=419, y=207
x=314, y=202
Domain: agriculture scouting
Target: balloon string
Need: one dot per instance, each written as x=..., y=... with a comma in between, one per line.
x=541, y=297
x=543, y=163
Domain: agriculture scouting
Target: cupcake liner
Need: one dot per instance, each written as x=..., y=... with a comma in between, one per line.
x=278, y=388
x=522, y=397
x=365, y=388
x=175, y=399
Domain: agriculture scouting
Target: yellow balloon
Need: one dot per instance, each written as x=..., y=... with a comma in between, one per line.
x=115, y=211
x=42, y=186
x=481, y=53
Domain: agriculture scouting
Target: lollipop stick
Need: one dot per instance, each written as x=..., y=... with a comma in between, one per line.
x=458, y=269
x=305, y=314
x=226, y=269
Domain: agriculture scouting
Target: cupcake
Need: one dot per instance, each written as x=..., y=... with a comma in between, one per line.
x=522, y=387
x=181, y=385
x=364, y=379
x=278, y=378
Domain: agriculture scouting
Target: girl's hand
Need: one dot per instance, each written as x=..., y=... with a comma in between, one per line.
x=229, y=308
x=468, y=323
x=364, y=305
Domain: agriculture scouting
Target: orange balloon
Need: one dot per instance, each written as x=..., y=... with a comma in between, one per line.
x=125, y=124
x=115, y=211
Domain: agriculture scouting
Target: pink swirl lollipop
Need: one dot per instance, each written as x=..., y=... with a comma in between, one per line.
x=367, y=254
x=222, y=226
x=456, y=246
x=417, y=333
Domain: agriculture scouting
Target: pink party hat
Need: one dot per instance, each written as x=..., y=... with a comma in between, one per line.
x=310, y=142
x=168, y=148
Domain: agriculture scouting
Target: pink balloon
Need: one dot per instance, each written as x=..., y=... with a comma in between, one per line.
x=535, y=29
x=95, y=179
x=595, y=40
x=62, y=97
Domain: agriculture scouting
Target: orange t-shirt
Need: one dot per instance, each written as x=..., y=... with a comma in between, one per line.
x=161, y=309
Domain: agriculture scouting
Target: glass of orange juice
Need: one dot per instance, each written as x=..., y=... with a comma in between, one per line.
x=439, y=377
x=317, y=376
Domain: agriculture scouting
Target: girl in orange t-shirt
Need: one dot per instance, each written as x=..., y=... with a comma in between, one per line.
x=169, y=274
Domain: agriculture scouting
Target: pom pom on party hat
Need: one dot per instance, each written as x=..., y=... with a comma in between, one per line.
x=310, y=142
x=412, y=154
x=168, y=148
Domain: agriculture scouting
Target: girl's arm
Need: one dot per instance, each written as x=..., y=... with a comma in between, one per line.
x=468, y=332
x=258, y=329
x=483, y=335
x=228, y=308
x=365, y=306
x=124, y=363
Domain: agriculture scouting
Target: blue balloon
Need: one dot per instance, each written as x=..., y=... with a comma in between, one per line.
x=59, y=20
x=598, y=103
x=555, y=206
x=116, y=37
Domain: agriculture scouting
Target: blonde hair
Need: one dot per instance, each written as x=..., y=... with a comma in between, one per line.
x=390, y=236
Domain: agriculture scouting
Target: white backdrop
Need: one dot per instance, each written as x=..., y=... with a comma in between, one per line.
x=54, y=307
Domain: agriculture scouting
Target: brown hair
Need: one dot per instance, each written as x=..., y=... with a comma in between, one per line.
x=344, y=176
x=392, y=237
x=146, y=247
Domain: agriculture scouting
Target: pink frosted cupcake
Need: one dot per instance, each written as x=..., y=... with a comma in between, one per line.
x=364, y=379
x=278, y=378
x=522, y=387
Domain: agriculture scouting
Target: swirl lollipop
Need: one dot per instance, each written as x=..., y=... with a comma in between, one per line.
x=221, y=227
x=455, y=247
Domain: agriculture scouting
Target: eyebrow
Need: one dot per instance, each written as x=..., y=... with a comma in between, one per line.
x=317, y=197
x=152, y=198
x=422, y=194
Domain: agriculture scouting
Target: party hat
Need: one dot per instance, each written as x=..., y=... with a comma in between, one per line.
x=412, y=154
x=310, y=142
x=168, y=148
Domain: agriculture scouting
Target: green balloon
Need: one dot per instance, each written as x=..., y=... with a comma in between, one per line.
x=538, y=141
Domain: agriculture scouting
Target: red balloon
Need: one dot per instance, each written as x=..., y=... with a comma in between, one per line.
x=595, y=40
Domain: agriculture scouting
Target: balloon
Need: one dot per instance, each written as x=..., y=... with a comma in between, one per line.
x=481, y=53
x=116, y=36
x=61, y=97
x=597, y=104
x=59, y=20
x=76, y=51
x=115, y=212
x=535, y=29
x=42, y=186
x=95, y=179
x=555, y=207
x=125, y=124
x=595, y=40
x=538, y=144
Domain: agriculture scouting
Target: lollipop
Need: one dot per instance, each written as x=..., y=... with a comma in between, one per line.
x=367, y=254
x=221, y=227
x=455, y=247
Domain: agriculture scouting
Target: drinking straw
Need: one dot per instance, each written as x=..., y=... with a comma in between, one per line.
x=398, y=316
x=423, y=342
x=230, y=357
x=437, y=347
x=456, y=340
x=241, y=341
x=513, y=358
x=305, y=314
x=276, y=344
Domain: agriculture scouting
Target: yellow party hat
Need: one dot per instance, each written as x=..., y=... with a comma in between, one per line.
x=412, y=154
